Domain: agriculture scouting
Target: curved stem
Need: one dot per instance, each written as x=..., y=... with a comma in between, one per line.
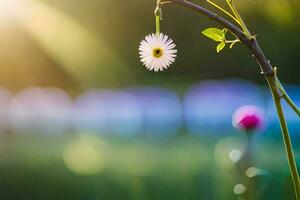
x=212, y=16
x=288, y=147
x=267, y=71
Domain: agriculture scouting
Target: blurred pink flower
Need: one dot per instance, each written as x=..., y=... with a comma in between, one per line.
x=248, y=118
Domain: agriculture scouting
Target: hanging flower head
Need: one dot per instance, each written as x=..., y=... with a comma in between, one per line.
x=157, y=52
x=248, y=118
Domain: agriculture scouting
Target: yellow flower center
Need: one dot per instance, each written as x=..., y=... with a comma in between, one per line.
x=157, y=52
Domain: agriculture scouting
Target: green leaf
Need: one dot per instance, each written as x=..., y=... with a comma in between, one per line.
x=215, y=34
x=220, y=46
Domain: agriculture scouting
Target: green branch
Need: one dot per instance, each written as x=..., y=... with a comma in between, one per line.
x=268, y=71
x=288, y=144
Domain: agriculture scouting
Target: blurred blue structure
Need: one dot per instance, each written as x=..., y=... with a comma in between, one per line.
x=89, y=112
x=162, y=110
x=107, y=112
x=37, y=110
x=5, y=98
x=209, y=106
x=207, y=109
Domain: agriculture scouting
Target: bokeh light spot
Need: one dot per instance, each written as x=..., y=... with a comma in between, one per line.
x=224, y=148
x=253, y=171
x=235, y=155
x=239, y=189
x=85, y=155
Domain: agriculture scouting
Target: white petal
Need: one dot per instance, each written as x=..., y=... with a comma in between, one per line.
x=163, y=42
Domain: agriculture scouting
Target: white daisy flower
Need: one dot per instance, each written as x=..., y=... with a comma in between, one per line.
x=157, y=52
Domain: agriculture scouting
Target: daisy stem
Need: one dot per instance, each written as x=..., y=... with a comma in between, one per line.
x=157, y=24
x=158, y=16
x=267, y=70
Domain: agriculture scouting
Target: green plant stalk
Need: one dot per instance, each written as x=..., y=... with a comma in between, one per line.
x=158, y=15
x=267, y=70
x=286, y=97
x=157, y=23
x=288, y=145
x=272, y=81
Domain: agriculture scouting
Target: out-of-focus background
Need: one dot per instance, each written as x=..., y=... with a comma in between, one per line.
x=81, y=118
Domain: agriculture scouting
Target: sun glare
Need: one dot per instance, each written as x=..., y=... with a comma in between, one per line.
x=8, y=8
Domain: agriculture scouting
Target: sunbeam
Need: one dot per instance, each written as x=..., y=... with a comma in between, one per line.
x=80, y=52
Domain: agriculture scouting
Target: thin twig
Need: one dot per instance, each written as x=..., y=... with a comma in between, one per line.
x=287, y=98
x=238, y=17
x=224, y=11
